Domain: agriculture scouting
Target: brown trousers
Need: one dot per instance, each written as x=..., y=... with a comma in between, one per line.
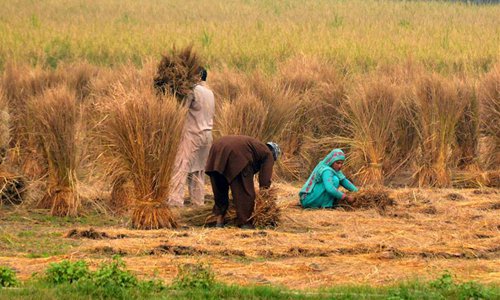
x=243, y=192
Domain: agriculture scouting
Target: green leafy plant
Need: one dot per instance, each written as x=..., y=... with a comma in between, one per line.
x=7, y=277
x=113, y=274
x=67, y=272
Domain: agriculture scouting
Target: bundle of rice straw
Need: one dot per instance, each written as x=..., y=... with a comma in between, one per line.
x=266, y=212
x=178, y=72
x=12, y=188
x=140, y=137
x=57, y=124
x=377, y=198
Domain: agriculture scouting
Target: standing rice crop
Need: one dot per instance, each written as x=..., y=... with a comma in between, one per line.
x=373, y=111
x=140, y=136
x=489, y=98
x=437, y=109
x=56, y=120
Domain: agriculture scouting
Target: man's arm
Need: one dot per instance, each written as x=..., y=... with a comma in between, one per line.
x=266, y=171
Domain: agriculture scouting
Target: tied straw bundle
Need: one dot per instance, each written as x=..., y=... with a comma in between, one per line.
x=178, y=72
x=266, y=212
x=140, y=136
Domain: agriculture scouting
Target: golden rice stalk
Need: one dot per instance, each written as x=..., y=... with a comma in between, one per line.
x=266, y=212
x=12, y=188
x=178, y=72
x=373, y=111
x=140, y=137
x=377, y=198
x=489, y=98
x=56, y=121
x=437, y=109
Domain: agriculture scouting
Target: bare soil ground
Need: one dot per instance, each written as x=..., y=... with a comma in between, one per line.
x=425, y=234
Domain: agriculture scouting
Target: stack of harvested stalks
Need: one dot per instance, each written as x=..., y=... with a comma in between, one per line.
x=371, y=198
x=370, y=132
x=489, y=96
x=56, y=119
x=140, y=137
x=12, y=188
x=178, y=72
x=266, y=212
x=438, y=108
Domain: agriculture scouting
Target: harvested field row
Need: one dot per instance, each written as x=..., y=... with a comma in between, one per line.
x=317, y=246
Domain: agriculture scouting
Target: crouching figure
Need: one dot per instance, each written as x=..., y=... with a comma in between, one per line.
x=321, y=189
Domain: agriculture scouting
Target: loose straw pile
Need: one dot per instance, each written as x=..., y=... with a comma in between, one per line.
x=370, y=198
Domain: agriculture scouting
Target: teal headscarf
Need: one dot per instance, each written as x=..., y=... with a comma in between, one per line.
x=325, y=164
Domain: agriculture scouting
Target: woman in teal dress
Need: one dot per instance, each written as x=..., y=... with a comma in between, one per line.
x=321, y=189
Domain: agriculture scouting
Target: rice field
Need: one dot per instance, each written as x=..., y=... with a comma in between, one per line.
x=409, y=90
x=354, y=35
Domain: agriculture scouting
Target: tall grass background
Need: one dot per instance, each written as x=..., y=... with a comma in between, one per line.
x=355, y=35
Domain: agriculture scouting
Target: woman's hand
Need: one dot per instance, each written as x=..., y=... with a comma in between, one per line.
x=347, y=198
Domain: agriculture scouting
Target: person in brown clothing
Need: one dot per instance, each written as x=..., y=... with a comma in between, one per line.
x=232, y=162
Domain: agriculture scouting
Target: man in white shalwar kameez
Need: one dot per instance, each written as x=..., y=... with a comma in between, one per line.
x=195, y=146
